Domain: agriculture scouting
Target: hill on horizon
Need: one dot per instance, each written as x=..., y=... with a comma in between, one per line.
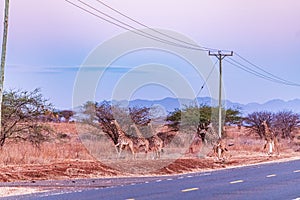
x=169, y=104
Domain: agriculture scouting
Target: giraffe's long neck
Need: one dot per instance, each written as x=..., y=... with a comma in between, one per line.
x=120, y=131
x=151, y=129
x=138, y=132
x=267, y=131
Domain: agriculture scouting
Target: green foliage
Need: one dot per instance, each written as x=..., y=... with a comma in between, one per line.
x=190, y=117
x=21, y=112
x=233, y=116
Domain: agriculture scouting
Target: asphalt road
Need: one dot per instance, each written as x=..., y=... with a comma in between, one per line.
x=268, y=181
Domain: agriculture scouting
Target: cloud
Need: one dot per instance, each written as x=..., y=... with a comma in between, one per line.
x=23, y=68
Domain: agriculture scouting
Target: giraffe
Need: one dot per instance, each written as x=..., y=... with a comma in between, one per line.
x=50, y=116
x=270, y=138
x=196, y=144
x=208, y=134
x=123, y=140
x=220, y=149
x=202, y=131
x=198, y=139
x=140, y=140
x=155, y=142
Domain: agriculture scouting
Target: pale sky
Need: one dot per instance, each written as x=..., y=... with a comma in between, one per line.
x=49, y=40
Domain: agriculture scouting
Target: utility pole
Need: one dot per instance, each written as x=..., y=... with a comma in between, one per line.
x=220, y=56
x=3, y=55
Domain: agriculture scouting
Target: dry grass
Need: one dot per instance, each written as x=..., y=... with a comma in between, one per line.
x=64, y=145
x=82, y=142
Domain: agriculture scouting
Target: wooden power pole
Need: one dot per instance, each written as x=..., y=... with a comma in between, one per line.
x=220, y=56
x=3, y=56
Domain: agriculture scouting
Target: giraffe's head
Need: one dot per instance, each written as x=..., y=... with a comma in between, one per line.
x=264, y=123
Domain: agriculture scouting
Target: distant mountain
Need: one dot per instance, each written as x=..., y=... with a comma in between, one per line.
x=169, y=104
x=274, y=106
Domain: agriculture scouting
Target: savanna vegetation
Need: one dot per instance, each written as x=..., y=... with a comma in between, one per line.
x=34, y=132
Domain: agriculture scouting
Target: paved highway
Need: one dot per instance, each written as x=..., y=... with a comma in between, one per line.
x=268, y=181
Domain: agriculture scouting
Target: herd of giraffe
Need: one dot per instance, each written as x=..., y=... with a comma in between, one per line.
x=155, y=143
x=220, y=147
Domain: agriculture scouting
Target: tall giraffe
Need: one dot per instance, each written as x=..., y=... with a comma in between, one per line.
x=270, y=138
x=208, y=133
x=155, y=142
x=220, y=150
x=140, y=140
x=123, y=140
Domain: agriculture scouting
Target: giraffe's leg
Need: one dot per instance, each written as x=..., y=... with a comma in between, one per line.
x=117, y=146
x=120, y=150
x=159, y=150
x=271, y=144
x=146, y=151
x=223, y=154
x=132, y=150
x=276, y=146
x=219, y=153
x=265, y=146
x=158, y=153
x=154, y=153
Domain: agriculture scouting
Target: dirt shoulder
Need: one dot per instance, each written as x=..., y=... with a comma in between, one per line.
x=27, y=179
x=65, y=160
x=80, y=169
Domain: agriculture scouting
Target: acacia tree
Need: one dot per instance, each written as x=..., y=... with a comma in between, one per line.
x=281, y=123
x=20, y=117
x=100, y=115
x=191, y=117
x=254, y=122
x=140, y=115
x=285, y=122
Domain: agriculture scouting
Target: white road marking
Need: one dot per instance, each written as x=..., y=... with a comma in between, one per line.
x=271, y=175
x=158, y=181
x=296, y=171
x=298, y=198
x=169, y=179
x=237, y=181
x=189, y=189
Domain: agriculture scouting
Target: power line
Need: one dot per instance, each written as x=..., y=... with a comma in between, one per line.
x=152, y=29
x=208, y=76
x=263, y=74
x=261, y=69
x=220, y=56
x=131, y=28
x=258, y=74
